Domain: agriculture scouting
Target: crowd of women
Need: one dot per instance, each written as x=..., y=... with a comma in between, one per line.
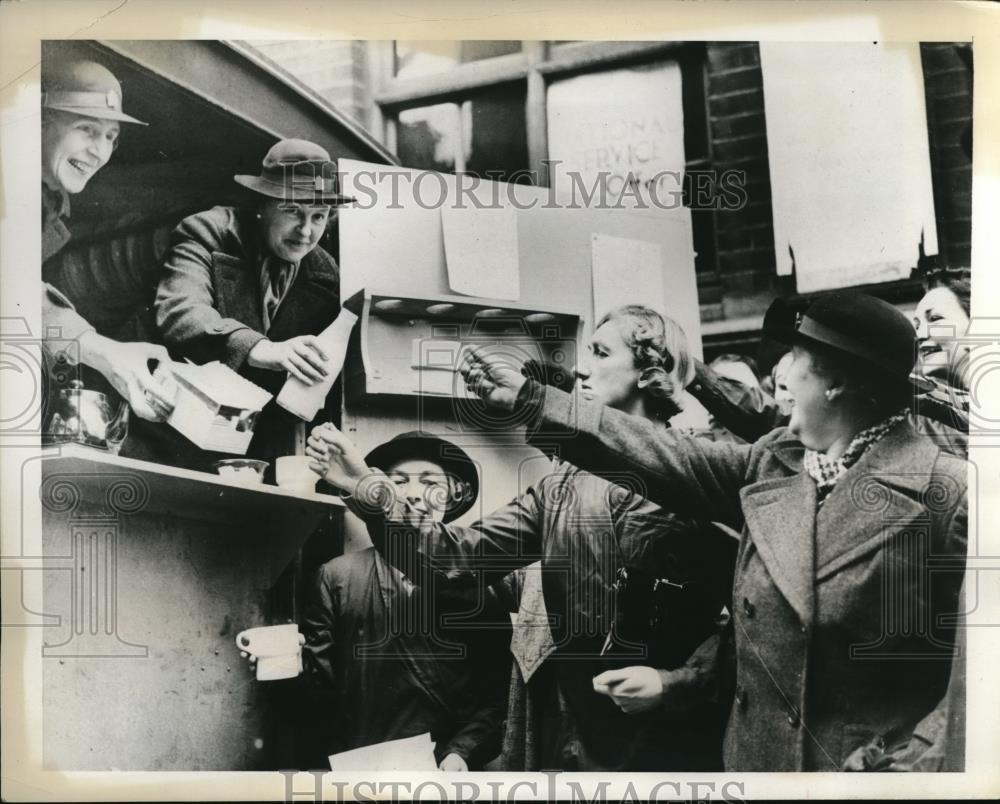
x=779, y=597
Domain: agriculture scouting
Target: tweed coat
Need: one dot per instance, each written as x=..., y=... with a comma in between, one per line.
x=841, y=612
x=58, y=312
x=209, y=307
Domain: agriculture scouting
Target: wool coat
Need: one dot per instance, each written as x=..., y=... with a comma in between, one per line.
x=843, y=613
x=209, y=306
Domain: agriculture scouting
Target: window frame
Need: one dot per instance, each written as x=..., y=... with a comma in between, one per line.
x=538, y=64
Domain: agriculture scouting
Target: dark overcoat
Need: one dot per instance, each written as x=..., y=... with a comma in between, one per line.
x=394, y=666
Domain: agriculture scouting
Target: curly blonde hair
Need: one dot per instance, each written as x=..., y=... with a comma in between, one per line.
x=660, y=348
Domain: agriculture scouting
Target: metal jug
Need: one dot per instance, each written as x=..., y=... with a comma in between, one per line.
x=88, y=417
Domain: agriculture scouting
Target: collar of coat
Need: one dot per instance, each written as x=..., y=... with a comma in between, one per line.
x=55, y=203
x=801, y=545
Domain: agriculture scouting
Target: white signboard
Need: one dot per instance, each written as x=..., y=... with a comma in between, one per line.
x=850, y=166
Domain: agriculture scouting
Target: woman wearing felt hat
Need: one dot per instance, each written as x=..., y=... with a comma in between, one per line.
x=81, y=121
x=853, y=537
x=393, y=665
x=250, y=286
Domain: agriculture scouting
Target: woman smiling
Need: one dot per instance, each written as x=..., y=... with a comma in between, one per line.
x=853, y=536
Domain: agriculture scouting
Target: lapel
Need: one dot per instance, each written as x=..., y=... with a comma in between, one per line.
x=313, y=297
x=237, y=285
x=881, y=491
x=780, y=516
x=531, y=641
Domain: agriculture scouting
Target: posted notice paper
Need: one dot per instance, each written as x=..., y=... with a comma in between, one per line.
x=480, y=247
x=622, y=264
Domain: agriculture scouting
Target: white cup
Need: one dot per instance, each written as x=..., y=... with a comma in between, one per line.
x=293, y=473
x=276, y=648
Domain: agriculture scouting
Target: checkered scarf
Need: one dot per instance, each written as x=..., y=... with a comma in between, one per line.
x=826, y=472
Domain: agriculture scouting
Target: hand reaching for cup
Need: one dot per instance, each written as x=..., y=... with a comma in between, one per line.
x=336, y=458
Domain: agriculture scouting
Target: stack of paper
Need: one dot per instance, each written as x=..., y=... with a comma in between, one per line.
x=408, y=754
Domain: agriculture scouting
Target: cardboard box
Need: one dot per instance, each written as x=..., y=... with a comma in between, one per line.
x=215, y=407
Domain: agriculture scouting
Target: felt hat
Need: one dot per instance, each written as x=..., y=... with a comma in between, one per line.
x=871, y=331
x=85, y=88
x=297, y=170
x=451, y=458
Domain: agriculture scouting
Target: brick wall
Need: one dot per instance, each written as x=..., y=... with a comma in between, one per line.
x=745, y=265
x=333, y=68
x=948, y=88
x=740, y=280
x=744, y=279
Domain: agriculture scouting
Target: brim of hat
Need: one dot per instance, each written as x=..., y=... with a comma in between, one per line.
x=779, y=324
x=429, y=448
x=100, y=114
x=282, y=192
x=779, y=320
x=917, y=383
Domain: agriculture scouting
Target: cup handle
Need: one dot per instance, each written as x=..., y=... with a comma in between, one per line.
x=243, y=641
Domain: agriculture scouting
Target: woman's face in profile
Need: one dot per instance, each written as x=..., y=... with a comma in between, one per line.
x=781, y=393
x=810, y=411
x=290, y=229
x=941, y=322
x=607, y=373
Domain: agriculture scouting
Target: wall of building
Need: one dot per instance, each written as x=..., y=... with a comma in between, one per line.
x=734, y=288
x=948, y=85
x=336, y=69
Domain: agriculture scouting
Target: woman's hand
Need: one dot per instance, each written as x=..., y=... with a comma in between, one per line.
x=126, y=367
x=336, y=458
x=302, y=357
x=633, y=689
x=492, y=378
x=252, y=660
x=453, y=763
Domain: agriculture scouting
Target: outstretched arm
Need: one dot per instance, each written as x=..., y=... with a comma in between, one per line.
x=185, y=300
x=482, y=553
x=746, y=411
x=125, y=365
x=682, y=473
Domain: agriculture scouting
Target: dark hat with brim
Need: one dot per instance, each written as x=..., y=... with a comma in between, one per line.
x=873, y=332
x=85, y=88
x=450, y=457
x=299, y=171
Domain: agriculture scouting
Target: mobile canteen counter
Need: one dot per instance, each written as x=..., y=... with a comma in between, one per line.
x=151, y=571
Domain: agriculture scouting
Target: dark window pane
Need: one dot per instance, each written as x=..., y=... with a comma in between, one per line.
x=429, y=137
x=499, y=135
